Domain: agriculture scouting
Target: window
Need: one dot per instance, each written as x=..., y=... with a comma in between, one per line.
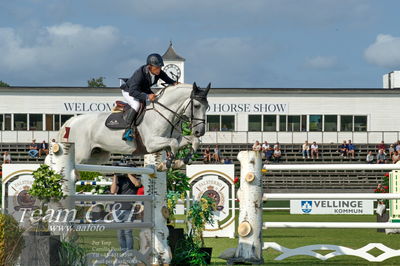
x=1, y=122
x=213, y=123
x=269, y=123
x=20, y=122
x=254, y=122
x=330, y=123
x=315, y=122
x=282, y=123
x=303, y=123
x=293, y=123
x=57, y=124
x=64, y=118
x=346, y=123
x=49, y=122
x=360, y=123
x=227, y=122
x=35, y=122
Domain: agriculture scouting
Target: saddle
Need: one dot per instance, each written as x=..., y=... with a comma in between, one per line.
x=116, y=120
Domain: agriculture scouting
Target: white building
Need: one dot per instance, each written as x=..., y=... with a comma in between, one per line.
x=235, y=115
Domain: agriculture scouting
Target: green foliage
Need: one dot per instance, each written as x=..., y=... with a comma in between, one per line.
x=95, y=189
x=199, y=214
x=96, y=83
x=383, y=188
x=177, y=181
x=47, y=184
x=11, y=240
x=188, y=252
x=186, y=151
x=186, y=130
x=3, y=84
x=71, y=254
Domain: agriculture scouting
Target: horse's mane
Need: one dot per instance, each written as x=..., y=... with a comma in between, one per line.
x=183, y=87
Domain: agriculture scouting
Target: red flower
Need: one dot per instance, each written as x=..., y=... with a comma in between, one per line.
x=235, y=180
x=387, y=174
x=386, y=187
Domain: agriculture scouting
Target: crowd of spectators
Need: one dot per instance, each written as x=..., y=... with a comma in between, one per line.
x=384, y=154
x=36, y=150
x=215, y=156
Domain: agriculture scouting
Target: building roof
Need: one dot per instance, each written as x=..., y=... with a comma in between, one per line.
x=171, y=55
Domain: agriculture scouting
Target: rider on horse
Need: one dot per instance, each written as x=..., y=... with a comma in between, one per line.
x=137, y=90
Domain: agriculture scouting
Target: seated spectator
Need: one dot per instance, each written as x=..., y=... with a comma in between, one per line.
x=277, y=145
x=217, y=154
x=343, y=149
x=314, y=150
x=397, y=148
x=224, y=128
x=381, y=157
x=391, y=150
x=277, y=154
x=33, y=149
x=370, y=158
x=257, y=146
x=306, y=150
x=43, y=147
x=268, y=151
x=381, y=146
x=6, y=157
x=395, y=157
x=207, y=155
x=351, y=149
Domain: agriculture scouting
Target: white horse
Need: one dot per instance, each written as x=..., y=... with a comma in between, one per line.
x=159, y=130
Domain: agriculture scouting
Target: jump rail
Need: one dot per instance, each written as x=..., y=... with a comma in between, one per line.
x=320, y=167
x=353, y=196
x=115, y=169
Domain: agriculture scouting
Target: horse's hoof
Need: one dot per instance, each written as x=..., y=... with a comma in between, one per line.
x=168, y=163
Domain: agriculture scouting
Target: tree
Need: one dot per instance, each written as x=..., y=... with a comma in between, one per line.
x=3, y=84
x=96, y=83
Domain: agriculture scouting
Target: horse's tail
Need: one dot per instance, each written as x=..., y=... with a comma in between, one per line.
x=63, y=133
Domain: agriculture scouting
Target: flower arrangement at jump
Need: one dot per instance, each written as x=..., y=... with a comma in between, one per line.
x=383, y=188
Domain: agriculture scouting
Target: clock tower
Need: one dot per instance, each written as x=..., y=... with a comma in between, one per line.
x=174, y=64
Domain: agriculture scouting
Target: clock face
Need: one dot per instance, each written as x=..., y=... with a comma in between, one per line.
x=173, y=71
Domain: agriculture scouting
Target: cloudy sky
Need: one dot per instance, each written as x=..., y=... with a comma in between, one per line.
x=231, y=43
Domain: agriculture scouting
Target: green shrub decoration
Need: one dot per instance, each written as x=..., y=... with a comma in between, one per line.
x=11, y=240
x=47, y=184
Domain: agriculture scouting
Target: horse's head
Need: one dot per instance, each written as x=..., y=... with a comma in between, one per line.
x=199, y=105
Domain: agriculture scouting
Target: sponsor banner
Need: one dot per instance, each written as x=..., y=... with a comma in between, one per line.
x=331, y=207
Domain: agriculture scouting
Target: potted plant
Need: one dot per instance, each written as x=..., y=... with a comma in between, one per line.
x=41, y=246
x=382, y=215
x=11, y=240
x=199, y=214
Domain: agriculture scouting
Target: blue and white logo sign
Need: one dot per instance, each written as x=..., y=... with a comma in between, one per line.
x=306, y=206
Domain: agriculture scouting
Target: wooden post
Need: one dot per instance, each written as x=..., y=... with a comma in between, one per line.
x=250, y=193
x=156, y=238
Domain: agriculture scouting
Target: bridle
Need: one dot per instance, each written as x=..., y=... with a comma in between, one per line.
x=181, y=118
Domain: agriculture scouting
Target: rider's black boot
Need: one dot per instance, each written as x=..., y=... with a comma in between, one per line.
x=130, y=117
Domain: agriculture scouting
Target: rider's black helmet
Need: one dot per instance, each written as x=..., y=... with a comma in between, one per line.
x=155, y=60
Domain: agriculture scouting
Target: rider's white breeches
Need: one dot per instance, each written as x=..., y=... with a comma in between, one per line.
x=135, y=104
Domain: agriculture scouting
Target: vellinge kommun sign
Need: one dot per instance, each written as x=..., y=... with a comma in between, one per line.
x=331, y=207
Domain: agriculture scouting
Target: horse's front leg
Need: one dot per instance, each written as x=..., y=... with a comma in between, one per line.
x=195, y=141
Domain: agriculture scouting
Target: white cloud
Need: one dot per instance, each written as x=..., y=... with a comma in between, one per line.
x=321, y=62
x=384, y=52
x=61, y=54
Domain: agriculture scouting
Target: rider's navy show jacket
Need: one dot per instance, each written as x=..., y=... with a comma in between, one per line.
x=139, y=84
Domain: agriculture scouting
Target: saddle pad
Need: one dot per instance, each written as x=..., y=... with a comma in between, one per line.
x=115, y=121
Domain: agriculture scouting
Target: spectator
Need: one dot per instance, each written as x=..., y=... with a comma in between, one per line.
x=6, y=157
x=43, y=147
x=381, y=157
x=277, y=154
x=351, y=149
x=207, y=155
x=228, y=161
x=381, y=146
x=224, y=128
x=306, y=150
x=397, y=148
x=395, y=157
x=33, y=149
x=370, y=158
x=268, y=151
x=257, y=146
x=391, y=150
x=124, y=184
x=314, y=150
x=217, y=154
x=343, y=149
x=277, y=145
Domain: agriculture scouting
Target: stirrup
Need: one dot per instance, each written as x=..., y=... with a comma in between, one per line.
x=128, y=136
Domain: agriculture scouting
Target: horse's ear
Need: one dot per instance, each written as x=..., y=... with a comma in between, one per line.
x=195, y=88
x=208, y=88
